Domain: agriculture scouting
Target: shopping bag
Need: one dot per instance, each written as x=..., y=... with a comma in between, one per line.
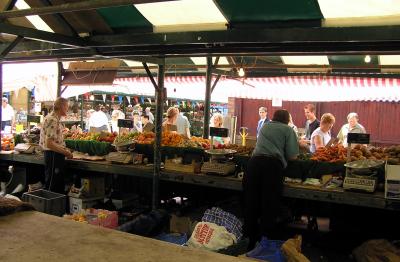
x=210, y=236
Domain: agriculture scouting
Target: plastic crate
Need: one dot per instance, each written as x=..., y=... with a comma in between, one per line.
x=46, y=201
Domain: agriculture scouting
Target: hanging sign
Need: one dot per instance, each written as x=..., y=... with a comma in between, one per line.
x=276, y=102
x=38, y=107
x=129, y=99
x=33, y=119
x=221, y=132
x=126, y=123
x=149, y=99
x=120, y=99
x=357, y=138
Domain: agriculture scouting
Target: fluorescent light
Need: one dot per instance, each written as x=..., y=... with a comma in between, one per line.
x=187, y=15
x=203, y=61
x=35, y=20
x=360, y=12
x=358, y=8
x=305, y=60
x=389, y=59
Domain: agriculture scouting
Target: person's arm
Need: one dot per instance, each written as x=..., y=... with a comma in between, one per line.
x=318, y=142
x=50, y=144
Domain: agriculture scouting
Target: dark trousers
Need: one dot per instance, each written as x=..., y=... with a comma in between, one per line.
x=262, y=188
x=53, y=170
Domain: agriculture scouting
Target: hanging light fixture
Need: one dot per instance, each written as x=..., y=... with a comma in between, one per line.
x=91, y=98
x=241, y=72
x=367, y=59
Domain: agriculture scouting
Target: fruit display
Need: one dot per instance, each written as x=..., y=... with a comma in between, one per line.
x=339, y=154
x=146, y=138
x=7, y=143
x=243, y=150
x=101, y=137
x=125, y=138
x=171, y=139
x=203, y=142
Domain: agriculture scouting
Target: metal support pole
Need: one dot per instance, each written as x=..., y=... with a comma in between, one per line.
x=1, y=94
x=207, y=102
x=59, y=78
x=82, y=113
x=158, y=124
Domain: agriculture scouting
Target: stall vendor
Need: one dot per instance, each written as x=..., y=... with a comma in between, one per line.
x=217, y=121
x=322, y=135
x=7, y=114
x=52, y=142
x=263, y=179
x=351, y=127
x=169, y=125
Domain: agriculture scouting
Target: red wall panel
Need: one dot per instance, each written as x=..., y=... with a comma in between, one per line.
x=380, y=119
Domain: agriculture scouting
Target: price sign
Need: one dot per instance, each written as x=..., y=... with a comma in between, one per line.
x=33, y=119
x=126, y=123
x=221, y=132
x=357, y=138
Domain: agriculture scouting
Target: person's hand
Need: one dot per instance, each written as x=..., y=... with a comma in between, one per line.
x=69, y=155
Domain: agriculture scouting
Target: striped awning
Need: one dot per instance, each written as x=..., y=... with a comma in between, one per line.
x=316, y=89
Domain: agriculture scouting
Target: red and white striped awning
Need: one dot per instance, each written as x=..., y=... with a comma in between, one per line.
x=307, y=88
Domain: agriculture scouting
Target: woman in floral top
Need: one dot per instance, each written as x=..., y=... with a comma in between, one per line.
x=52, y=142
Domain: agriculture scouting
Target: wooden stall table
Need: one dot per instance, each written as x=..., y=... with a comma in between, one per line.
x=33, y=236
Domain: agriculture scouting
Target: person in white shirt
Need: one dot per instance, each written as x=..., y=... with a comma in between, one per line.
x=115, y=115
x=147, y=112
x=183, y=125
x=98, y=121
x=137, y=124
x=7, y=114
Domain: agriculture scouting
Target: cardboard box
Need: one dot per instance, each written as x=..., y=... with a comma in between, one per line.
x=76, y=205
x=392, y=181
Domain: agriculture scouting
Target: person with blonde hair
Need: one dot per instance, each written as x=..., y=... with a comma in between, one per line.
x=52, y=142
x=351, y=127
x=322, y=135
x=170, y=123
x=217, y=120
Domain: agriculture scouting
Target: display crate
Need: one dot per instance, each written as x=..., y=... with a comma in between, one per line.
x=46, y=201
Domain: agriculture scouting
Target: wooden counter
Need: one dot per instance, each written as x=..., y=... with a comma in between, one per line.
x=339, y=196
x=33, y=236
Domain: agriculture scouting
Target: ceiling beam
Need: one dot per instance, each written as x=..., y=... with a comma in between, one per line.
x=10, y=5
x=42, y=35
x=73, y=7
x=11, y=46
x=288, y=36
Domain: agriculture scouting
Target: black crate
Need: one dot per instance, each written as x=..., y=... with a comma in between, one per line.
x=46, y=201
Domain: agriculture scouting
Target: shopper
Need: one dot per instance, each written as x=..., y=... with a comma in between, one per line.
x=351, y=127
x=7, y=114
x=322, y=135
x=263, y=112
x=115, y=115
x=52, y=142
x=147, y=126
x=148, y=113
x=137, y=123
x=98, y=121
x=263, y=180
x=169, y=125
x=183, y=125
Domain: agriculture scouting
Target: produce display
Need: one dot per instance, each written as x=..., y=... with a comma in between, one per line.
x=339, y=154
x=91, y=143
x=101, y=137
x=7, y=143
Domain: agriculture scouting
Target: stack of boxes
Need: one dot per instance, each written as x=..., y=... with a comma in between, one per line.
x=90, y=193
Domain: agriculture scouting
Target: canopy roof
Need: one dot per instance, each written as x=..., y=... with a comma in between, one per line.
x=267, y=38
